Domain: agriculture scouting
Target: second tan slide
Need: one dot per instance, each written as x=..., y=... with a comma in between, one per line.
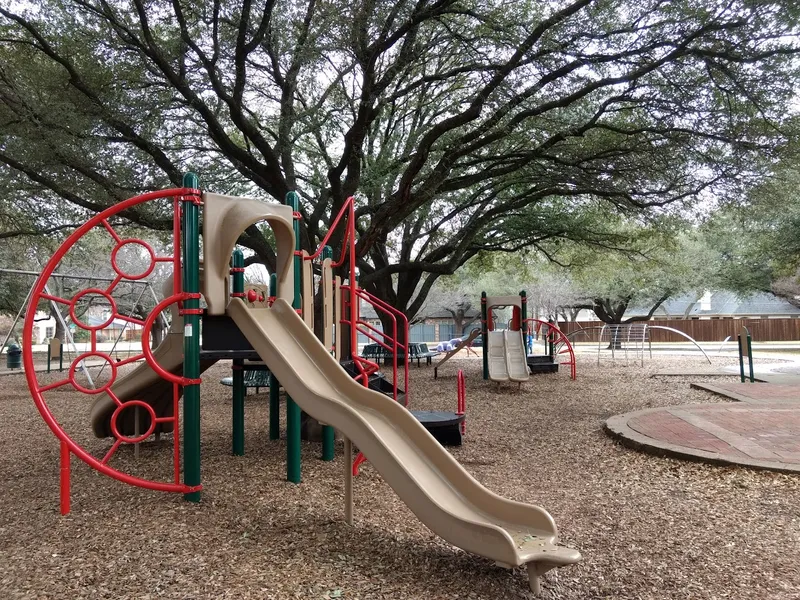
x=440, y=492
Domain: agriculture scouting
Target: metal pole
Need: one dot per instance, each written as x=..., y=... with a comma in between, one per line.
x=328, y=434
x=21, y=308
x=485, y=337
x=274, y=384
x=191, y=338
x=293, y=473
x=741, y=357
x=35, y=274
x=237, y=270
x=136, y=432
x=348, y=481
x=750, y=357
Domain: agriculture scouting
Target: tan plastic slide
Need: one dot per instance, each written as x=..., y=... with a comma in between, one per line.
x=144, y=384
x=444, y=496
x=515, y=355
x=507, y=356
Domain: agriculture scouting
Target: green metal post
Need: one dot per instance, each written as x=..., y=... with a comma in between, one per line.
x=191, y=338
x=485, y=336
x=239, y=391
x=48, y=358
x=274, y=385
x=741, y=357
x=328, y=434
x=292, y=409
x=750, y=357
x=551, y=346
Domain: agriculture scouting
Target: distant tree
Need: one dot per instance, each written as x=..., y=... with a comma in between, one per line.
x=658, y=265
x=758, y=242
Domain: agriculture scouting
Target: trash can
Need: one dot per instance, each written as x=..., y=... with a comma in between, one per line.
x=14, y=357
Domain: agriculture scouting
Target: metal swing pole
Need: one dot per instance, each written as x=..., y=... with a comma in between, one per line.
x=68, y=333
x=22, y=308
x=121, y=333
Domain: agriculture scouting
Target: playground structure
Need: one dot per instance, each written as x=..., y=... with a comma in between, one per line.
x=504, y=351
x=425, y=476
x=631, y=340
x=558, y=349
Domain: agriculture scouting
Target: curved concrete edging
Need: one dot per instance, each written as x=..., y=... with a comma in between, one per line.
x=618, y=428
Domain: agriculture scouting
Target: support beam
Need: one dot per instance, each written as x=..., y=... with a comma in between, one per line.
x=191, y=339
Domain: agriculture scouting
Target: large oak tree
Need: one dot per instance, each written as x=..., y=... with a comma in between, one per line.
x=461, y=125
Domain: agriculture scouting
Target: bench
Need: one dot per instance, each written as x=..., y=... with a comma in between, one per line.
x=420, y=351
x=416, y=351
x=256, y=378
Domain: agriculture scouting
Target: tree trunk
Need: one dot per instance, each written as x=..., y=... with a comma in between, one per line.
x=157, y=333
x=59, y=329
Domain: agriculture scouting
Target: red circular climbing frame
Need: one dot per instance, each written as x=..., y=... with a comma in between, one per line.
x=106, y=296
x=130, y=276
x=77, y=362
x=129, y=405
x=39, y=389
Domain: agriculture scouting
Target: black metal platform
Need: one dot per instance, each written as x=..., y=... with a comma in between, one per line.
x=377, y=381
x=444, y=425
x=542, y=363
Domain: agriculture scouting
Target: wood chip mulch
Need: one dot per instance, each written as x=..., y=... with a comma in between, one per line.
x=648, y=527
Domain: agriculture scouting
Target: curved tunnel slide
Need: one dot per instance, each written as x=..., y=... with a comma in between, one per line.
x=443, y=495
x=143, y=383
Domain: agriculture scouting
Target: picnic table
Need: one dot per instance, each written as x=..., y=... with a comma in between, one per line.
x=255, y=375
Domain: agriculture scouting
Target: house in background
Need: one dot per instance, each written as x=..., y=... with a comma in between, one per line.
x=437, y=327
x=724, y=305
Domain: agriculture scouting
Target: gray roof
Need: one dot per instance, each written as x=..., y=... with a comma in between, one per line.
x=368, y=312
x=726, y=304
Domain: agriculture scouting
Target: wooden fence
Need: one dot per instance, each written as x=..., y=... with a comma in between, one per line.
x=714, y=330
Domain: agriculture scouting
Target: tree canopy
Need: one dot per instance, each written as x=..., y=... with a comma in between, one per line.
x=657, y=266
x=758, y=243
x=462, y=126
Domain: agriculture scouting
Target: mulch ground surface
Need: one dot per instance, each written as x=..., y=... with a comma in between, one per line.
x=647, y=527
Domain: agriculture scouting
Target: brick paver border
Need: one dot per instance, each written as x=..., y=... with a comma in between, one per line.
x=761, y=393
x=618, y=428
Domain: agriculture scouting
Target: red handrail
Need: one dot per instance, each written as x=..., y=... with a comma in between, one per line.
x=557, y=337
x=345, y=209
x=462, y=400
x=393, y=313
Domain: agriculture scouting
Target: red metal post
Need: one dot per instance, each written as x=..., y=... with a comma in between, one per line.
x=462, y=400
x=64, y=478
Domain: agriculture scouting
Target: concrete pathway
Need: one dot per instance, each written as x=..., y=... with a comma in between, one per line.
x=761, y=430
